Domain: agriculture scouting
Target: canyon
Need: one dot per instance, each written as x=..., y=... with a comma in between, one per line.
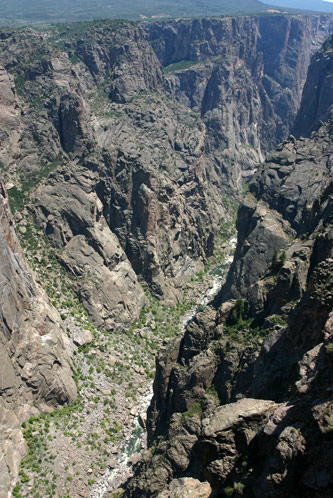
x=125, y=151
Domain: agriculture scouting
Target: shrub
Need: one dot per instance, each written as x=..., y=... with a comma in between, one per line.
x=278, y=260
x=237, y=312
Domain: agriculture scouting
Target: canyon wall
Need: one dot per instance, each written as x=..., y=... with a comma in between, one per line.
x=243, y=399
x=127, y=146
x=35, y=363
x=110, y=145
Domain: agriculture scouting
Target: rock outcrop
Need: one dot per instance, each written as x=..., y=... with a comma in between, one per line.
x=126, y=148
x=317, y=101
x=97, y=113
x=243, y=75
x=243, y=398
x=35, y=364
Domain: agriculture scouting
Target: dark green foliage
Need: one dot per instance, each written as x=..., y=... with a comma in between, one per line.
x=16, y=491
x=16, y=199
x=283, y=258
x=19, y=83
x=195, y=410
x=178, y=66
x=278, y=260
x=327, y=45
x=278, y=320
x=237, y=313
x=74, y=59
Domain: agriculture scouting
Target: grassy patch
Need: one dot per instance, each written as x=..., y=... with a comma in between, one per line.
x=20, y=84
x=179, y=66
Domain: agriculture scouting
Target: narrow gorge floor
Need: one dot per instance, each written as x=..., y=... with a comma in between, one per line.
x=88, y=448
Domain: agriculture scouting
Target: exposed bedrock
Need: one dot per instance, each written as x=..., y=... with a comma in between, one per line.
x=149, y=153
x=243, y=399
x=35, y=363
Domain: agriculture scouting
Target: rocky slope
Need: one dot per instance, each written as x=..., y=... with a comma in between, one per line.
x=243, y=399
x=243, y=75
x=35, y=363
x=316, y=102
x=115, y=147
x=129, y=180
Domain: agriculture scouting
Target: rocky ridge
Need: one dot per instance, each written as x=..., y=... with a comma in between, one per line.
x=316, y=103
x=247, y=90
x=72, y=450
x=243, y=398
x=115, y=144
x=36, y=367
x=121, y=176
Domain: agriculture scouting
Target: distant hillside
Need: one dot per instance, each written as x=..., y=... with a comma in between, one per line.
x=41, y=11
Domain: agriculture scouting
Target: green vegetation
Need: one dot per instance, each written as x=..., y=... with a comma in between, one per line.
x=278, y=260
x=278, y=320
x=236, y=490
x=231, y=205
x=117, y=494
x=329, y=348
x=328, y=419
x=228, y=491
x=35, y=12
x=166, y=318
x=239, y=488
x=212, y=392
x=179, y=66
x=237, y=313
x=19, y=197
x=134, y=347
x=195, y=410
x=19, y=84
x=243, y=331
x=74, y=59
x=327, y=45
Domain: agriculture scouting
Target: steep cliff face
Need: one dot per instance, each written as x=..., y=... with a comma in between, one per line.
x=127, y=169
x=35, y=364
x=244, y=398
x=245, y=77
x=287, y=202
x=113, y=152
x=130, y=168
x=317, y=100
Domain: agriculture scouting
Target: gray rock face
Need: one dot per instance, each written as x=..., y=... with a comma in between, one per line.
x=72, y=215
x=35, y=366
x=155, y=151
x=293, y=187
x=246, y=391
x=245, y=80
x=138, y=156
x=125, y=166
x=317, y=93
x=227, y=433
x=34, y=348
x=187, y=487
x=12, y=447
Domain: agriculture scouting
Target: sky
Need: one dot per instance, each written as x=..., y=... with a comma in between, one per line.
x=314, y=5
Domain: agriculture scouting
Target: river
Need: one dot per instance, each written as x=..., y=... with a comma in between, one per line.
x=135, y=440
